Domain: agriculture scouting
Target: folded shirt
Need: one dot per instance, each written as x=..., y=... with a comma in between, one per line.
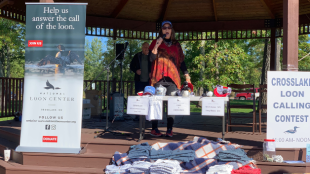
x=237, y=155
x=220, y=169
x=166, y=166
x=113, y=169
x=180, y=155
x=140, y=167
x=140, y=150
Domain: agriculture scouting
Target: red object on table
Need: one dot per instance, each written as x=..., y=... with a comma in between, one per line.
x=220, y=95
x=246, y=170
x=190, y=85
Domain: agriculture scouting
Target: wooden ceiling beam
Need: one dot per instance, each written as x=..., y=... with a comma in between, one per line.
x=214, y=10
x=165, y=9
x=47, y=1
x=268, y=8
x=6, y=2
x=119, y=8
x=103, y=22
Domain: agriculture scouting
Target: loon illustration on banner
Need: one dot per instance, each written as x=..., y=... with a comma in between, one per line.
x=54, y=71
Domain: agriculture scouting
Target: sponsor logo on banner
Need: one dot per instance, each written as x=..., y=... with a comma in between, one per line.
x=35, y=43
x=50, y=86
x=49, y=139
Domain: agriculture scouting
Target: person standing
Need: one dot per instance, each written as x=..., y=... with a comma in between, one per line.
x=167, y=60
x=141, y=66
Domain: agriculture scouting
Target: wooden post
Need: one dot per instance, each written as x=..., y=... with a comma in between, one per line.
x=273, y=50
x=290, y=35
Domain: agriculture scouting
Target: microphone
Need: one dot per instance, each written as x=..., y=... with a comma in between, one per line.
x=164, y=35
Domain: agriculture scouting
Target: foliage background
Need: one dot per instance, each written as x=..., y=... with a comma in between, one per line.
x=209, y=62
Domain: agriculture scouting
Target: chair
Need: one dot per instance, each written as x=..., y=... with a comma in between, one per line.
x=262, y=89
x=241, y=88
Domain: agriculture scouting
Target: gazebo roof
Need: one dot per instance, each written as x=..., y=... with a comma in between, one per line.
x=104, y=16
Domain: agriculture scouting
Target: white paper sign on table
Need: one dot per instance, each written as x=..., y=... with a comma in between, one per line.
x=137, y=105
x=179, y=106
x=212, y=106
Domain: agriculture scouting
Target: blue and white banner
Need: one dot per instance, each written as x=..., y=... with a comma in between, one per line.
x=54, y=70
x=288, y=106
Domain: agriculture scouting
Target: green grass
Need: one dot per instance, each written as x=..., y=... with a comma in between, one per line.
x=6, y=118
x=233, y=102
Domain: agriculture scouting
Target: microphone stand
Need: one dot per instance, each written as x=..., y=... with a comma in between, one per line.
x=108, y=85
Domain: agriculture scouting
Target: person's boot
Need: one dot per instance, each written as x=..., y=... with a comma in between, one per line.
x=156, y=133
x=169, y=133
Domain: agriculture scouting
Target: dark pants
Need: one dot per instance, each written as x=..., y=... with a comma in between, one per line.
x=139, y=86
x=170, y=118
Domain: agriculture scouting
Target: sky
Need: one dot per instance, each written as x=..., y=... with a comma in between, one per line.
x=104, y=39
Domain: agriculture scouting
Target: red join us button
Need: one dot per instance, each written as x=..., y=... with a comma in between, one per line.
x=35, y=43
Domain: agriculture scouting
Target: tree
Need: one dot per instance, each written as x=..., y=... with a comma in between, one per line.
x=12, y=48
x=93, y=62
x=228, y=56
x=304, y=50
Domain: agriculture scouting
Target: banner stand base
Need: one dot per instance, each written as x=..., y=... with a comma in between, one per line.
x=47, y=149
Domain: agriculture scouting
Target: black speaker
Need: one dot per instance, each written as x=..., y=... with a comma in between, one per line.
x=119, y=48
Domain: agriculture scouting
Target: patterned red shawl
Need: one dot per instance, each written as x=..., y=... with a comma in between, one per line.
x=168, y=63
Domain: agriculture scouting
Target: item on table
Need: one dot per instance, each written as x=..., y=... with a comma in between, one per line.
x=209, y=94
x=149, y=90
x=161, y=90
x=174, y=93
x=186, y=89
x=221, y=91
x=269, y=149
x=187, y=86
x=277, y=158
x=140, y=93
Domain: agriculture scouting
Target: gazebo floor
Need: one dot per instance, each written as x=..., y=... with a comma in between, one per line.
x=98, y=147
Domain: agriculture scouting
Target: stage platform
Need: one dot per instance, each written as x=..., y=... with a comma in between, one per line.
x=98, y=146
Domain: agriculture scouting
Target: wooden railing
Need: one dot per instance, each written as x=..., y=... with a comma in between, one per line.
x=11, y=93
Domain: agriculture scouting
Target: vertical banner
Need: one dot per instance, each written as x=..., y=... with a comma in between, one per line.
x=288, y=105
x=53, y=88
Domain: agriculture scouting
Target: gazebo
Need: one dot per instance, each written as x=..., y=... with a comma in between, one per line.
x=192, y=20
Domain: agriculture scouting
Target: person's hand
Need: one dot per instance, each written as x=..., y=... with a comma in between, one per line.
x=188, y=78
x=138, y=71
x=159, y=41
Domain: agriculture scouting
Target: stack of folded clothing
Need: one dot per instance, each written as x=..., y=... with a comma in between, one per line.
x=166, y=167
x=180, y=155
x=141, y=150
x=113, y=169
x=235, y=155
x=140, y=167
x=246, y=170
x=220, y=169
